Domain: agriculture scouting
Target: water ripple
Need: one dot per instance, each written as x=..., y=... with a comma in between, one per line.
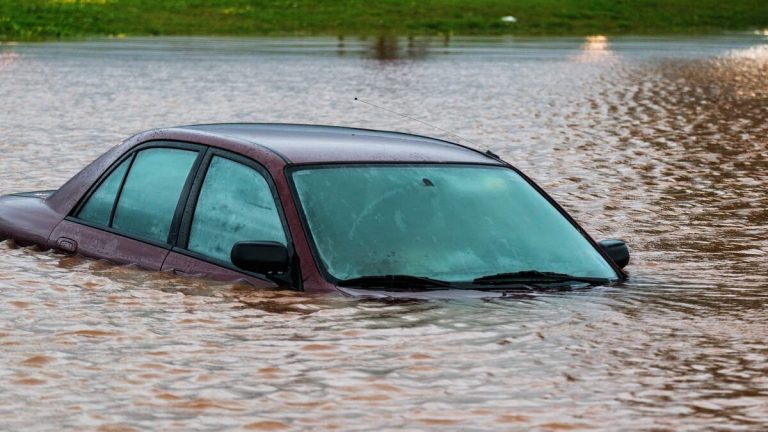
x=661, y=142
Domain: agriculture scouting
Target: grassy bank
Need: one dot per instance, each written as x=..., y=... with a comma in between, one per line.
x=43, y=19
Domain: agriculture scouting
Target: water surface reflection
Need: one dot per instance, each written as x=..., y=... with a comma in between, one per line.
x=663, y=145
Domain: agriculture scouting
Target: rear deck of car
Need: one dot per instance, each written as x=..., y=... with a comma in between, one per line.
x=307, y=144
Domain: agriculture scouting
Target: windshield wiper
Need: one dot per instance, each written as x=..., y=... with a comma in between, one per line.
x=533, y=276
x=395, y=282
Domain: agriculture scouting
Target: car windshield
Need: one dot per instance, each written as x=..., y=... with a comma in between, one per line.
x=449, y=222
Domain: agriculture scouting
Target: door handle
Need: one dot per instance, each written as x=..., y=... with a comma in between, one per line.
x=66, y=244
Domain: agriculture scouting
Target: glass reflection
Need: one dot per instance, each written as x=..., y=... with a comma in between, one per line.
x=594, y=49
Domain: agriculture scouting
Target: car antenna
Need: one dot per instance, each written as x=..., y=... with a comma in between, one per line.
x=416, y=120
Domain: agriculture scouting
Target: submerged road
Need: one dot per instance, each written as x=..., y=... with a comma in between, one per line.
x=662, y=142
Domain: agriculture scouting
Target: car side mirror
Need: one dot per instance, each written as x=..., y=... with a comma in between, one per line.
x=617, y=250
x=260, y=256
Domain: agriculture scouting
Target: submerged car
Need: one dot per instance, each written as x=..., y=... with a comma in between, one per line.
x=318, y=209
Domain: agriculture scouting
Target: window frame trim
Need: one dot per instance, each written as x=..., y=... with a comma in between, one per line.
x=112, y=212
x=201, y=150
x=185, y=224
x=291, y=169
x=185, y=208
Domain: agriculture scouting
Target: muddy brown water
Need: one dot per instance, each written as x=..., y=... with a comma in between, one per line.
x=660, y=141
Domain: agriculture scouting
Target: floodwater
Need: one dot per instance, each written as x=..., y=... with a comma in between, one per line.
x=662, y=142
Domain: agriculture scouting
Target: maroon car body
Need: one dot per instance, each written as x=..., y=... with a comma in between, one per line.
x=46, y=218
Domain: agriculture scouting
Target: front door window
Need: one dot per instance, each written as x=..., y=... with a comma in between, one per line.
x=235, y=204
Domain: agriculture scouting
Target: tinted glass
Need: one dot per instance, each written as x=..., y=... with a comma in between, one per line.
x=151, y=192
x=235, y=204
x=454, y=223
x=98, y=209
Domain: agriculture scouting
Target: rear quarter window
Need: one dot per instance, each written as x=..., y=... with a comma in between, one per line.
x=98, y=208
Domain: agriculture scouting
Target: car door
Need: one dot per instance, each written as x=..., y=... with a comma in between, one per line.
x=233, y=199
x=130, y=214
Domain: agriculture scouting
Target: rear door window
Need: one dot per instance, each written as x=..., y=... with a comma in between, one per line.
x=235, y=204
x=151, y=192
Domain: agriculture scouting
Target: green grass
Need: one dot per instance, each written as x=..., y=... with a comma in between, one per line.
x=45, y=19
